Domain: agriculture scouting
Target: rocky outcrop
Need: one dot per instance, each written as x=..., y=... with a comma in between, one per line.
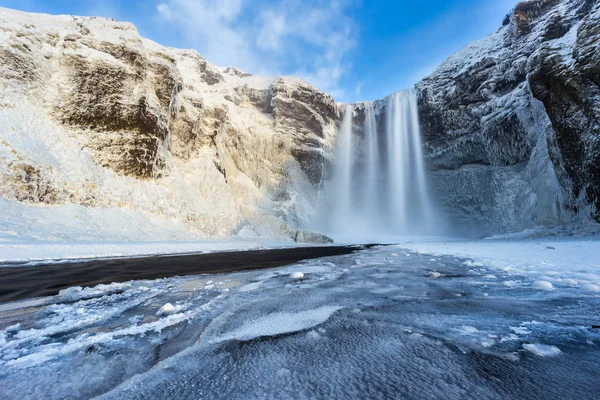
x=218, y=146
x=568, y=83
x=511, y=122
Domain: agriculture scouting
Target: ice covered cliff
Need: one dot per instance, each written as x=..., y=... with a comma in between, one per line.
x=103, y=126
x=105, y=133
x=512, y=122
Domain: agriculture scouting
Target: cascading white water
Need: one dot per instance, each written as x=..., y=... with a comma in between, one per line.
x=342, y=181
x=373, y=167
x=379, y=185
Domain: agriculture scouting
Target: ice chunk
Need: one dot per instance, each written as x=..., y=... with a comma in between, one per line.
x=434, y=274
x=251, y=286
x=13, y=328
x=297, y=275
x=520, y=330
x=280, y=323
x=468, y=330
x=70, y=294
x=590, y=287
x=543, y=285
x=542, y=350
x=168, y=309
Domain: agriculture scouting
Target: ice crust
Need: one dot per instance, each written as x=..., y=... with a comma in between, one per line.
x=368, y=324
x=280, y=323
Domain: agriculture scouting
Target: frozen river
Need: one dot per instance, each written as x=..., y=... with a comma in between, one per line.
x=382, y=323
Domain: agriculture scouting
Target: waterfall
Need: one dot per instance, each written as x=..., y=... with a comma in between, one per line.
x=379, y=187
x=342, y=182
x=373, y=167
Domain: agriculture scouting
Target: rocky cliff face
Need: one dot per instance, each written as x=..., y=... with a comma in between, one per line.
x=95, y=115
x=512, y=122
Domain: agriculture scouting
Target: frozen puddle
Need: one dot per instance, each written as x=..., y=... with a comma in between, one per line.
x=374, y=324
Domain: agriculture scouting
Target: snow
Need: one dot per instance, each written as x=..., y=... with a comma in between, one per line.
x=544, y=285
x=297, y=275
x=560, y=261
x=191, y=200
x=169, y=309
x=258, y=334
x=42, y=252
x=590, y=287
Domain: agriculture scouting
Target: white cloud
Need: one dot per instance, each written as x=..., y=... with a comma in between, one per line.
x=282, y=37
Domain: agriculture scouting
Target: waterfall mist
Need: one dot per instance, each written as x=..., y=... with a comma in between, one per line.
x=378, y=183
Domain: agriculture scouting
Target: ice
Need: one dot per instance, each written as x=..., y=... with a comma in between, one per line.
x=544, y=285
x=542, y=350
x=590, y=287
x=380, y=330
x=297, y=275
x=571, y=259
x=169, y=309
x=280, y=323
x=250, y=286
x=468, y=330
x=32, y=252
x=520, y=330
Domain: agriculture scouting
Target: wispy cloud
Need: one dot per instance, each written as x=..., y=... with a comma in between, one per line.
x=286, y=37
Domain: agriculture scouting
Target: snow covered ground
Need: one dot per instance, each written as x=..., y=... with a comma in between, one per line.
x=558, y=261
x=34, y=234
x=380, y=323
x=43, y=252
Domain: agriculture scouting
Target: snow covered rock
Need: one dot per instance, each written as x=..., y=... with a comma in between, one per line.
x=511, y=122
x=93, y=114
x=304, y=236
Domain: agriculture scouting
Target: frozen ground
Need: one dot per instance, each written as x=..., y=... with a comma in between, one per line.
x=36, y=252
x=558, y=260
x=30, y=234
x=380, y=323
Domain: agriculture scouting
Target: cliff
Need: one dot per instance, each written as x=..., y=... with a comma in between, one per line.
x=96, y=116
x=511, y=122
x=99, y=124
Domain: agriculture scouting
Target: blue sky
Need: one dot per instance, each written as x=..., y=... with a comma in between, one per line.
x=353, y=49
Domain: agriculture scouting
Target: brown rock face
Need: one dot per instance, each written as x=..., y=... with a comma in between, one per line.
x=312, y=114
x=165, y=118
